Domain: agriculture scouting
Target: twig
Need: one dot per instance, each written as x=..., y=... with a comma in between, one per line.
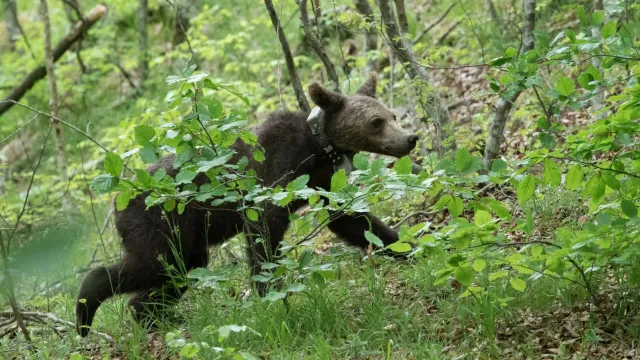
x=447, y=32
x=56, y=320
x=414, y=214
x=433, y=24
x=317, y=46
x=291, y=67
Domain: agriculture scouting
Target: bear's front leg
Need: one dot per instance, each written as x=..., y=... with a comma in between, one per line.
x=351, y=228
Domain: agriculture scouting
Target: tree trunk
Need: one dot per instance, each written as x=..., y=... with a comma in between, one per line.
x=371, y=36
x=597, y=101
x=291, y=67
x=11, y=21
x=402, y=17
x=496, y=129
x=41, y=71
x=53, y=91
x=143, y=17
x=433, y=106
x=316, y=44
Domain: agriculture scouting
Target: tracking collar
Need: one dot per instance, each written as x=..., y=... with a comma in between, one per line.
x=339, y=159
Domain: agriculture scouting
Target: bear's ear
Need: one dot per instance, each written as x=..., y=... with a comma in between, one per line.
x=326, y=99
x=369, y=86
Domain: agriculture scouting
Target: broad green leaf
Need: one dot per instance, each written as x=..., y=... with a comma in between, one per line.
x=299, y=183
x=148, y=155
x=498, y=274
x=482, y=217
x=608, y=29
x=574, y=177
x=403, y=165
x=464, y=275
x=526, y=189
x=564, y=86
x=597, y=18
x=143, y=177
x=122, y=199
x=500, y=209
x=372, y=238
x=275, y=296
x=455, y=260
x=258, y=155
x=399, y=247
x=339, y=180
x=610, y=180
x=169, y=205
x=552, y=174
x=113, y=164
x=189, y=351
x=144, y=135
x=455, y=206
x=597, y=189
x=629, y=208
x=518, y=284
x=76, y=356
x=252, y=215
x=510, y=52
x=479, y=265
x=463, y=160
x=296, y=287
x=360, y=161
x=104, y=183
x=185, y=176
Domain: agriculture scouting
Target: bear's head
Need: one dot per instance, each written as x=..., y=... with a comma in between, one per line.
x=360, y=122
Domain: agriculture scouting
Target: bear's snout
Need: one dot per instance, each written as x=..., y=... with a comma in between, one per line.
x=412, y=140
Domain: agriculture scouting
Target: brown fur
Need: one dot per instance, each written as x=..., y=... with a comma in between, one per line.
x=354, y=123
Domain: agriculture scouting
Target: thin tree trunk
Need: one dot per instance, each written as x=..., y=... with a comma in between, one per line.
x=496, y=129
x=316, y=44
x=53, y=91
x=143, y=15
x=494, y=14
x=402, y=16
x=597, y=101
x=40, y=72
x=433, y=106
x=291, y=67
x=10, y=19
x=370, y=36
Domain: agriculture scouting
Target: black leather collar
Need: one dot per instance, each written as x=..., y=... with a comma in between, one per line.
x=339, y=159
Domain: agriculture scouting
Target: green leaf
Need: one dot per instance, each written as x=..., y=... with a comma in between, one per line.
x=518, y=284
x=482, y=217
x=543, y=123
x=339, y=180
x=479, y=265
x=252, y=215
x=143, y=177
x=360, y=161
x=597, y=189
x=189, y=351
x=564, y=86
x=510, y=52
x=463, y=160
x=76, y=356
x=275, y=296
x=455, y=206
x=169, y=205
x=610, y=180
x=185, y=176
x=597, y=17
x=498, y=165
x=113, y=164
x=526, y=189
x=399, y=247
x=104, y=183
x=608, y=29
x=629, y=208
x=403, y=165
x=299, y=183
x=552, y=174
x=144, y=134
x=574, y=177
x=148, y=155
x=122, y=199
x=258, y=155
x=498, y=274
x=464, y=275
x=372, y=238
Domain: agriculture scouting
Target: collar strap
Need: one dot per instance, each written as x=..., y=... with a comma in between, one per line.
x=339, y=159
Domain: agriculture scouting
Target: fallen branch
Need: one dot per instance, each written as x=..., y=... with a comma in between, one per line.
x=291, y=67
x=317, y=46
x=40, y=72
x=35, y=316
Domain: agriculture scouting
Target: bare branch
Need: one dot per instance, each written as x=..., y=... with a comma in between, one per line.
x=64, y=44
x=317, y=46
x=291, y=67
x=496, y=129
x=433, y=24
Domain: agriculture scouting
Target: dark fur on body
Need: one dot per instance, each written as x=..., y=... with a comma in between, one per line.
x=291, y=151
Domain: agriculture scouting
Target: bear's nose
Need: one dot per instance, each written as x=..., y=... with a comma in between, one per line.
x=412, y=139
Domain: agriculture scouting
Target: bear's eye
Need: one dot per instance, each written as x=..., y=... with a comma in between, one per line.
x=395, y=118
x=377, y=123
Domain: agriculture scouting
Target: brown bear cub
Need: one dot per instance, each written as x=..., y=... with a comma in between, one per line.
x=351, y=123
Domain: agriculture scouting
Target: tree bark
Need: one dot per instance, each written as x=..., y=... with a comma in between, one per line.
x=291, y=67
x=370, y=36
x=143, y=40
x=402, y=16
x=53, y=91
x=316, y=44
x=11, y=21
x=64, y=44
x=597, y=101
x=496, y=129
x=433, y=106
